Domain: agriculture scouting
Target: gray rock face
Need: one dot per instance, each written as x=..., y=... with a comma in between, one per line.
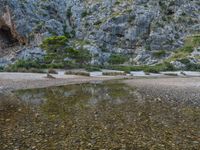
x=4, y=61
x=32, y=53
x=178, y=64
x=28, y=22
x=110, y=26
x=55, y=27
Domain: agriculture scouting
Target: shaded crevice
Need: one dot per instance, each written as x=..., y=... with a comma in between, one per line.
x=6, y=38
x=8, y=42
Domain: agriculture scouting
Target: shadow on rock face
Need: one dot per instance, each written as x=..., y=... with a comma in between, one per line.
x=7, y=40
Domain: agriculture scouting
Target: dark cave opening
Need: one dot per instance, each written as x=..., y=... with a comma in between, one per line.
x=6, y=38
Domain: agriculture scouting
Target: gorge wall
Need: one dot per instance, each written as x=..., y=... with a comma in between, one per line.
x=137, y=29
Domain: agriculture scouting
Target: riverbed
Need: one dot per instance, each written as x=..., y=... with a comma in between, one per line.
x=97, y=115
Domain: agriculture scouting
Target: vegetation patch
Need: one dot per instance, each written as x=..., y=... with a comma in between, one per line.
x=159, y=54
x=81, y=73
x=190, y=44
x=61, y=55
x=84, y=14
x=93, y=68
x=58, y=55
x=55, y=44
x=25, y=66
x=117, y=73
x=152, y=69
x=1, y=69
x=117, y=59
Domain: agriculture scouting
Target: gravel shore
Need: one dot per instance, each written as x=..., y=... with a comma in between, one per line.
x=16, y=81
x=176, y=89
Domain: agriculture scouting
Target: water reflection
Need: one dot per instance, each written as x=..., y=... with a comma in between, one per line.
x=95, y=116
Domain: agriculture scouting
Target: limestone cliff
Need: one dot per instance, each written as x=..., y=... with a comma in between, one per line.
x=137, y=29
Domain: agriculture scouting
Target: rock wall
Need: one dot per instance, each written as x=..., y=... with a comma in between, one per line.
x=135, y=28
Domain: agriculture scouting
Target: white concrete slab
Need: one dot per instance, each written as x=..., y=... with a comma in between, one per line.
x=155, y=74
x=96, y=74
x=138, y=73
x=192, y=73
x=112, y=71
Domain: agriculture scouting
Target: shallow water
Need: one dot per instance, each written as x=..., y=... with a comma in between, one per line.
x=95, y=116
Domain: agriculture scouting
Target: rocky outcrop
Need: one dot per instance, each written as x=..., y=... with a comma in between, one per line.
x=133, y=28
x=130, y=27
x=25, y=23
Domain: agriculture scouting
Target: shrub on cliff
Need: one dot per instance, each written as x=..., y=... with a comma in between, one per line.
x=25, y=66
x=159, y=54
x=61, y=55
x=55, y=44
x=117, y=59
x=1, y=69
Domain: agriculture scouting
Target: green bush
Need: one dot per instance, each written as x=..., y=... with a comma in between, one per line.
x=82, y=73
x=69, y=12
x=35, y=70
x=196, y=40
x=152, y=69
x=117, y=2
x=189, y=65
x=184, y=61
x=82, y=57
x=192, y=67
x=114, y=73
x=55, y=44
x=189, y=45
x=193, y=41
x=27, y=64
x=84, y=14
x=32, y=70
x=166, y=66
x=126, y=69
x=1, y=69
x=159, y=54
x=55, y=65
x=187, y=49
x=58, y=50
x=92, y=68
x=98, y=23
x=117, y=59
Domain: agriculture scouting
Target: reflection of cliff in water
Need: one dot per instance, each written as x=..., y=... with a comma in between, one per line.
x=87, y=93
